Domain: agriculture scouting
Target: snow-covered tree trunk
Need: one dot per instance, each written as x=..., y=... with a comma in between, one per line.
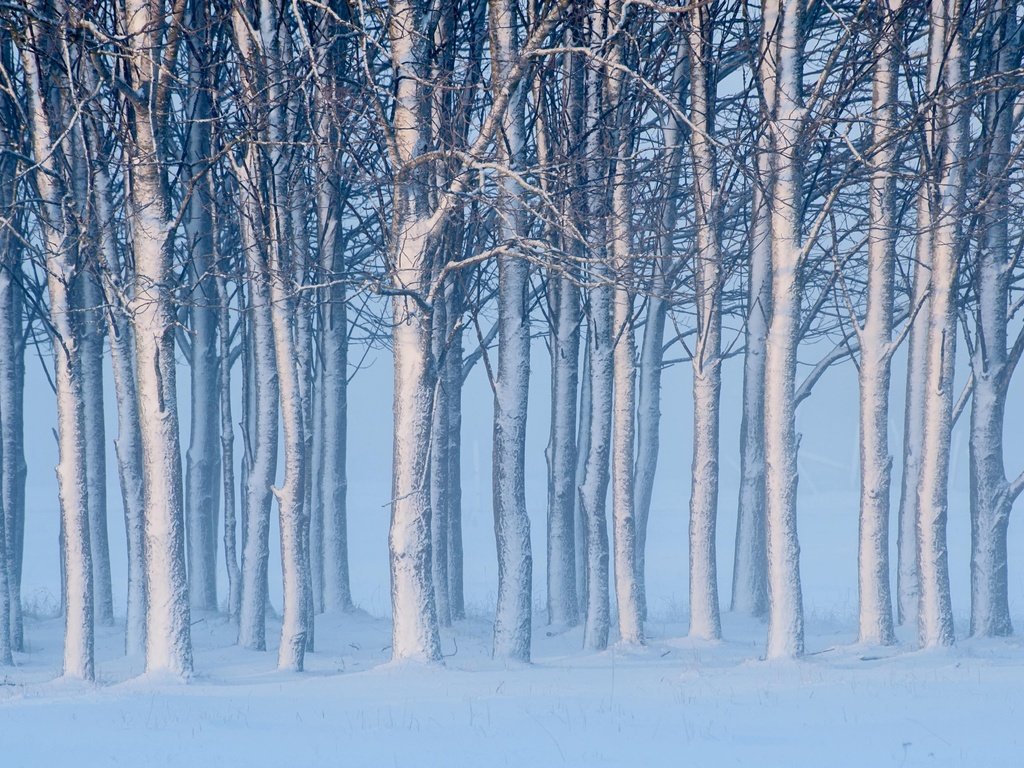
x=227, y=448
x=623, y=354
x=11, y=384
x=991, y=495
x=875, y=614
x=593, y=489
x=168, y=640
x=262, y=433
x=12, y=377
x=705, y=622
x=454, y=361
x=202, y=472
x=512, y=621
x=95, y=444
x=944, y=136
x=334, y=382
x=72, y=481
x=12, y=445
x=563, y=605
x=907, y=583
x=783, y=63
x=415, y=634
x=440, y=500
x=750, y=558
x=128, y=444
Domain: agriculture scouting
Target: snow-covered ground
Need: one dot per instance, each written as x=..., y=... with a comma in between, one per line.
x=674, y=702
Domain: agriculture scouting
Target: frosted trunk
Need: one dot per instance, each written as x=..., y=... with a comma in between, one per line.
x=202, y=474
x=943, y=134
x=512, y=621
x=991, y=497
x=750, y=560
x=95, y=444
x=627, y=591
x=563, y=605
x=439, y=464
x=782, y=19
x=875, y=615
x=705, y=622
x=907, y=583
x=72, y=480
x=12, y=391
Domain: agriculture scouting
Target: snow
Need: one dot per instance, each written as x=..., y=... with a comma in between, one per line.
x=675, y=700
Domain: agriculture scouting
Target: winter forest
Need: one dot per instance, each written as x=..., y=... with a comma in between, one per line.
x=534, y=226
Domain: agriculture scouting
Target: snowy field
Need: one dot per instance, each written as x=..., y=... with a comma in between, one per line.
x=672, y=703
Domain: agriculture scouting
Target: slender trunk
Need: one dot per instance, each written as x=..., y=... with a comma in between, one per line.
x=750, y=560
x=876, y=625
x=263, y=433
x=944, y=135
x=991, y=499
x=512, y=621
x=623, y=356
x=783, y=63
x=91, y=351
x=454, y=360
x=440, y=502
x=202, y=474
x=907, y=582
x=12, y=391
x=563, y=605
x=707, y=358
x=227, y=448
x=72, y=481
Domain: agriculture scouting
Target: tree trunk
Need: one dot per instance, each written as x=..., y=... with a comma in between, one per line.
x=513, y=615
x=202, y=474
x=991, y=498
x=72, y=481
x=707, y=360
x=944, y=136
x=876, y=625
x=782, y=63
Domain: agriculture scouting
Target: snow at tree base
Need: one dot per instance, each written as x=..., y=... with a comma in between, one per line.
x=353, y=356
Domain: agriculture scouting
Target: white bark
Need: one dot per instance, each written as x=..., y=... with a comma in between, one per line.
x=513, y=615
x=907, y=582
x=202, y=474
x=705, y=622
x=91, y=352
x=944, y=136
x=782, y=63
x=627, y=592
x=72, y=486
x=563, y=605
x=593, y=489
x=991, y=496
x=415, y=634
x=875, y=613
x=750, y=559
x=227, y=447
x=334, y=381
